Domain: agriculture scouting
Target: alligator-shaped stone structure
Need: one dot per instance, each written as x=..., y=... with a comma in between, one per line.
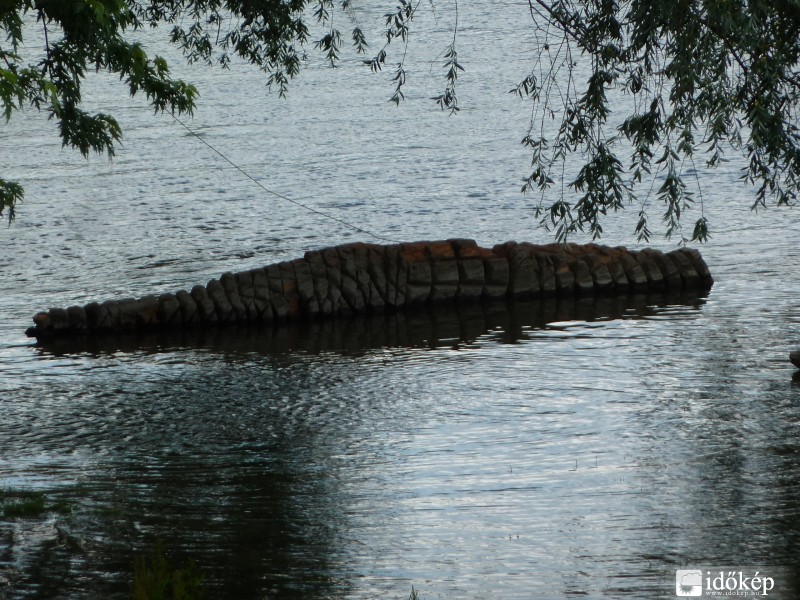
x=363, y=278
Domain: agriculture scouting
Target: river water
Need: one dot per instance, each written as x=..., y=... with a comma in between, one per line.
x=547, y=450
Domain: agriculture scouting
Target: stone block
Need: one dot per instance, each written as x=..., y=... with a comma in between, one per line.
x=280, y=308
x=375, y=300
x=689, y=275
x=617, y=273
x=244, y=283
x=347, y=261
x=524, y=270
x=493, y=291
x=637, y=279
x=584, y=281
x=76, y=318
x=316, y=266
x=444, y=272
x=41, y=322
x=443, y=292
x=419, y=273
x=396, y=277
x=169, y=310
x=414, y=253
x=222, y=306
x=188, y=307
x=305, y=287
x=147, y=311
x=466, y=252
x=59, y=319
x=363, y=277
x=274, y=281
x=260, y=283
x=700, y=266
x=336, y=299
x=247, y=292
x=470, y=292
x=496, y=271
x=416, y=295
x=378, y=274
x=352, y=294
x=128, y=313
x=261, y=294
x=601, y=274
x=655, y=278
x=330, y=257
x=565, y=279
x=547, y=276
x=441, y=251
x=96, y=316
x=112, y=308
x=293, y=304
x=229, y=284
x=206, y=310
x=671, y=275
x=470, y=271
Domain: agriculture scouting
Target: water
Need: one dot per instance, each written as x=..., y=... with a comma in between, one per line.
x=535, y=450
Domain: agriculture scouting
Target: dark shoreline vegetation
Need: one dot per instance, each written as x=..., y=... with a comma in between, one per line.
x=153, y=576
x=24, y=503
x=46, y=515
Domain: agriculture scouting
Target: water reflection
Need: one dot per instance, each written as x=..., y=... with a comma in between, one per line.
x=587, y=447
x=281, y=470
x=502, y=322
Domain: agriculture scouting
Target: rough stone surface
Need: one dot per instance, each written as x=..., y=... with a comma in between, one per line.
x=305, y=287
x=222, y=305
x=601, y=274
x=524, y=270
x=128, y=313
x=637, y=278
x=96, y=316
x=206, y=311
x=547, y=276
x=584, y=282
x=112, y=314
x=59, y=318
x=565, y=280
x=378, y=273
x=76, y=318
x=231, y=287
x=168, y=309
x=699, y=265
x=689, y=275
x=261, y=294
x=671, y=274
x=357, y=278
x=188, y=307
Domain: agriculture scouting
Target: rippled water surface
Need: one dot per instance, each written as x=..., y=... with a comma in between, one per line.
x=549, y=450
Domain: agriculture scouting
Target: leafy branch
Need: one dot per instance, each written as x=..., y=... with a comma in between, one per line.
x=702, y=76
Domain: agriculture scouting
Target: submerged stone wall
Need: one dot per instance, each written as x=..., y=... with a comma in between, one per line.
x=358, y=278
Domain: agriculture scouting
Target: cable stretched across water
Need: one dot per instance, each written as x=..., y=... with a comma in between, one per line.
x=279, y=195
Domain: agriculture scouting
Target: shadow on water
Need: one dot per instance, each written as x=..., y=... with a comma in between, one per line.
x=430, y=327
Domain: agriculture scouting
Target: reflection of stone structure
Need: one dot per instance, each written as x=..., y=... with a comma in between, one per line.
x=358, y=278
x=795, y=358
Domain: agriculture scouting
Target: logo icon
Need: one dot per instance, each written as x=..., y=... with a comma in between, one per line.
x=688, y=583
